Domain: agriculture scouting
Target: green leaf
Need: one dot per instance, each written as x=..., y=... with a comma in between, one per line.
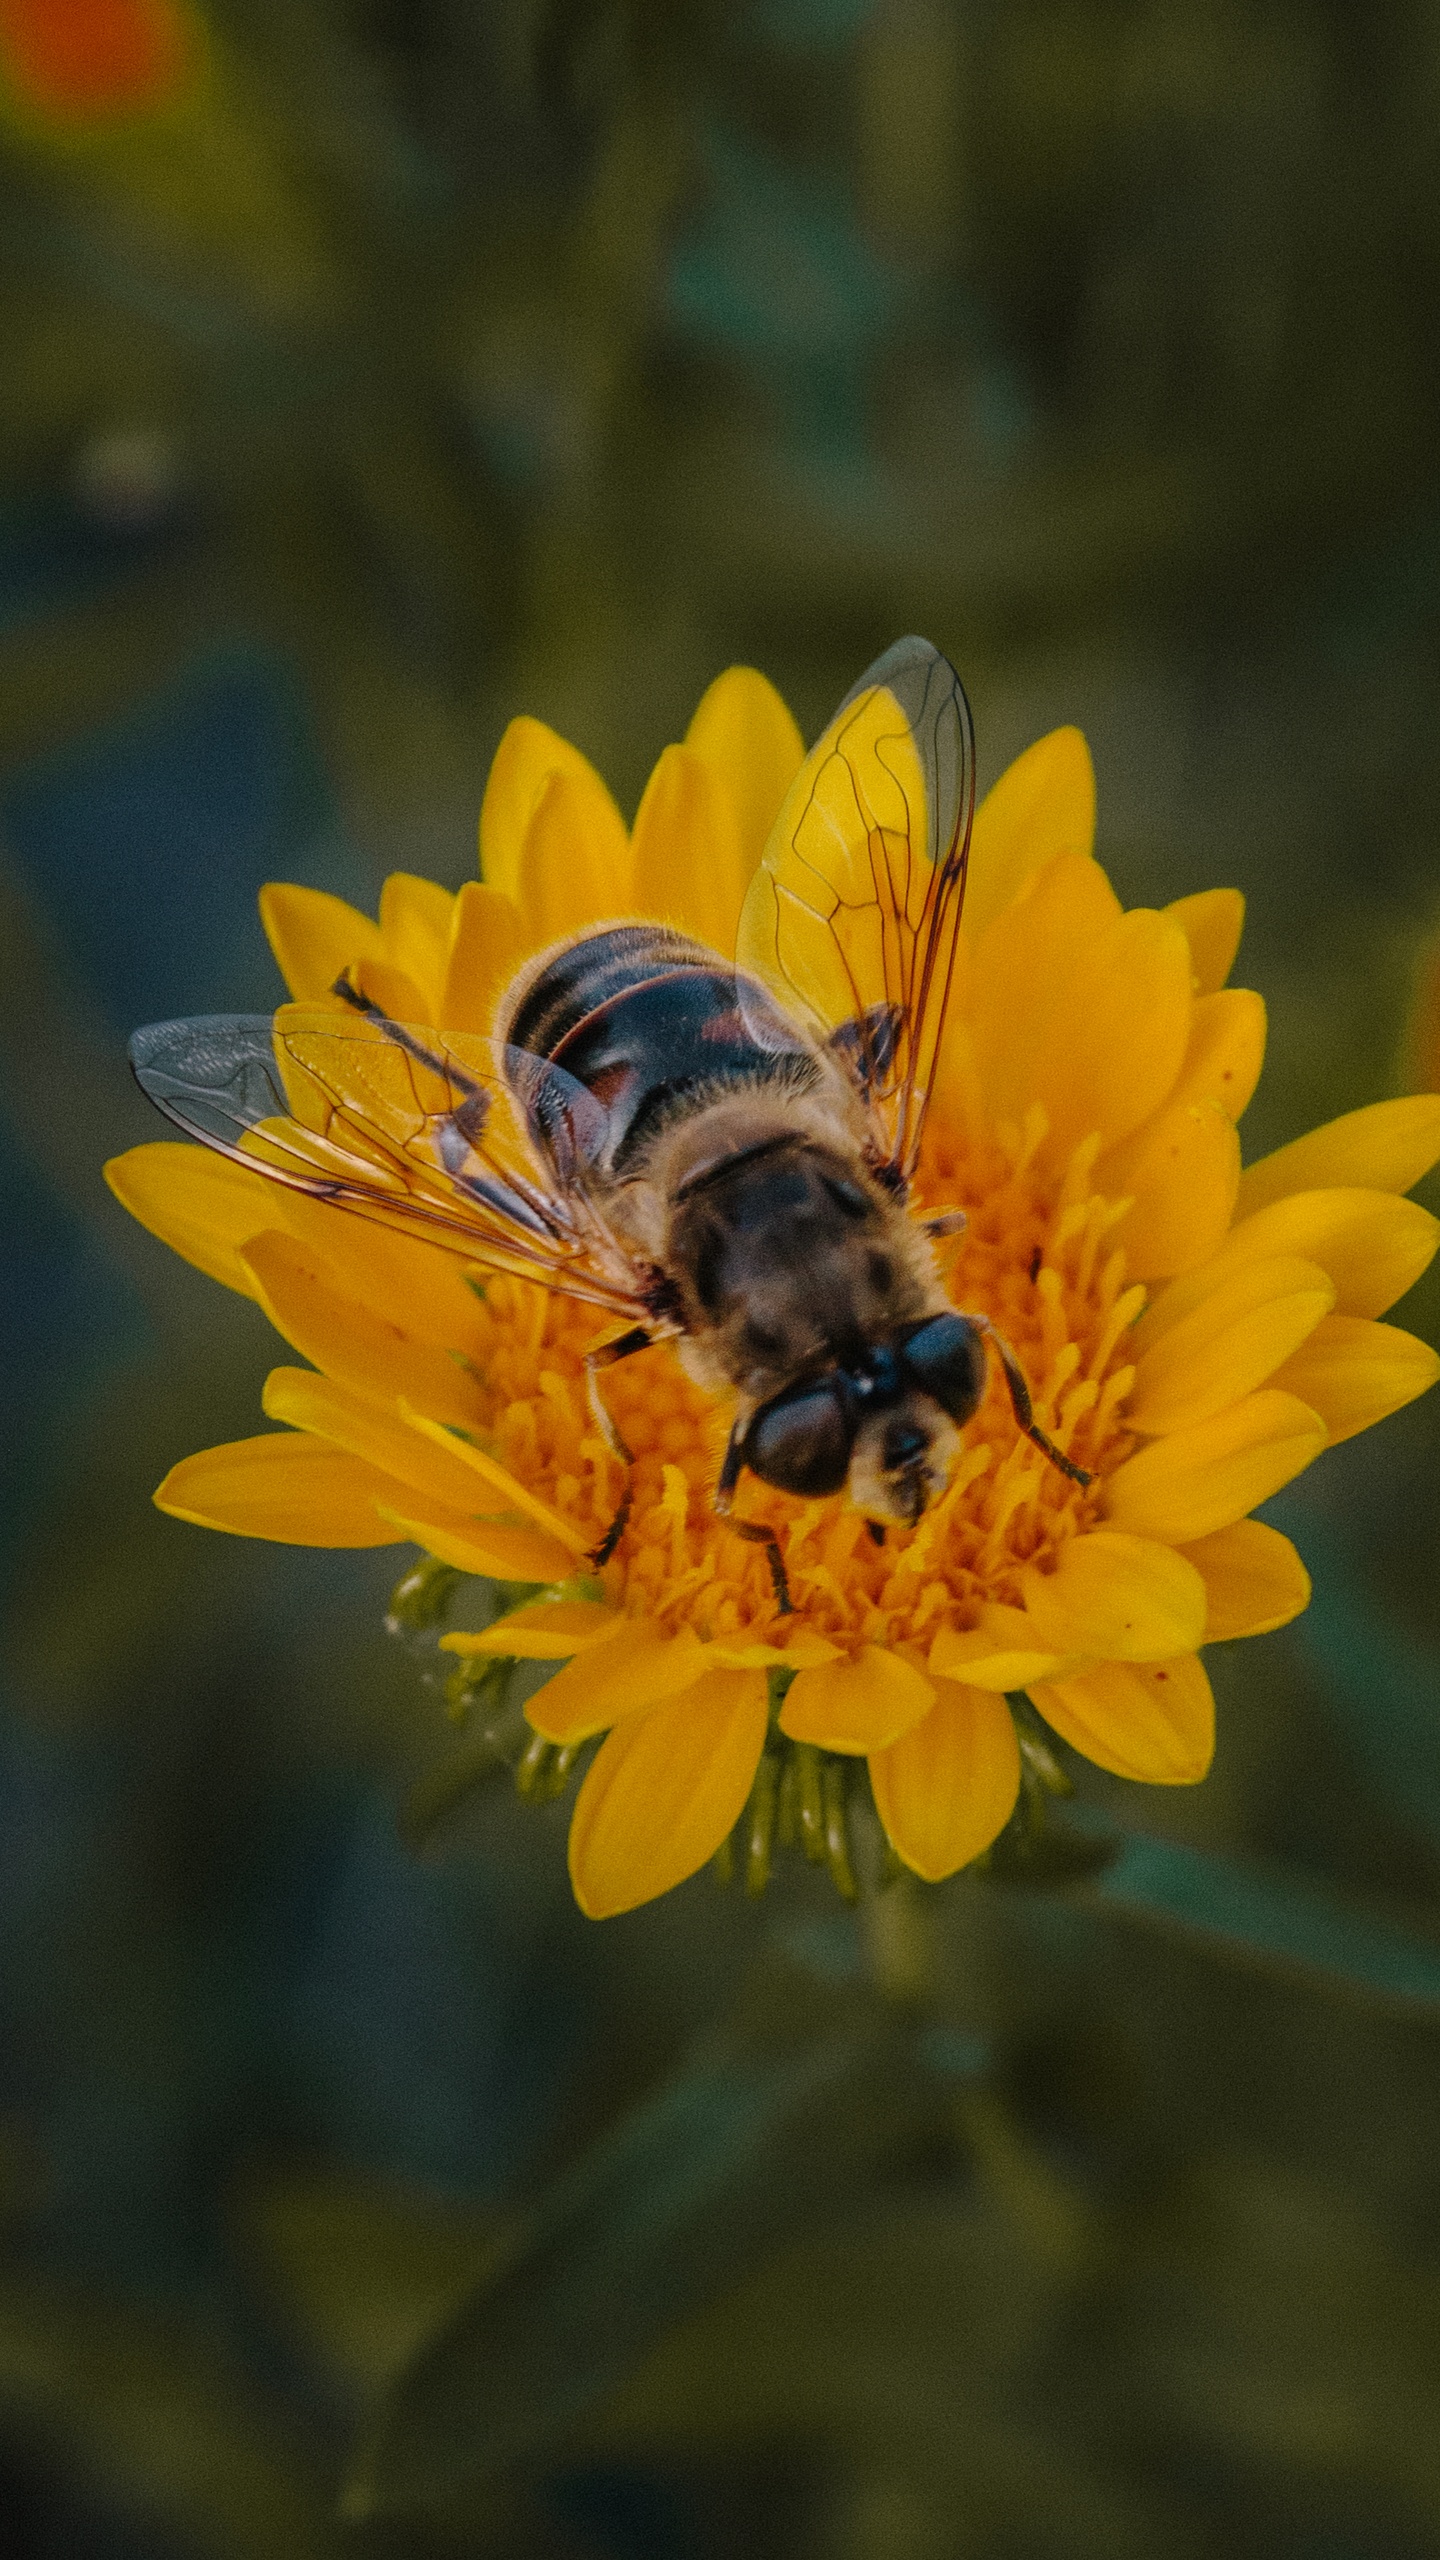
x=153, y=2408
x=787, y=2113
x=1271, y=1920
x=361, y=2269
x=447, y=1786
x=1382, y=1681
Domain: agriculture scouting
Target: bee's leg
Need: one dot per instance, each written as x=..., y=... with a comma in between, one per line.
x=946, y=1222
x=1020, y=1400
x=760, y=1536
x=754, y=1530
x=604, y=1356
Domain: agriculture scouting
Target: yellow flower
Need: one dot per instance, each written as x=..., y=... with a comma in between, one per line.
x=1193, y=1335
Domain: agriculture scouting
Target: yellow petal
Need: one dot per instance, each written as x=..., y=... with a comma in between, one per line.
x=1113, y=1594
x=1001, y=1653
x=1079, y=1007
x=635, y=1668
x=1354, y=1372
x=1211, y=922
x=744, y=732
x=1226, y=1050
x=513, y=1494
x=858, y=1705
x=949, y=1784
x=486, y=947
x=348, y=1340
x=1232, y=1342
x=542, y=1631
x=398, y=1276
x=1373, y=1246
x=530, y=762
x=1154, y=1721
x=394, y=991
x=285, y=1486
x=576, y=872
x=1253, y=1578
x=1385, y=1147
x=1202, y=1478
x=1181, y=1171
x=198, y=1203
x=415, y=921
x=315, y=936
x=1022, y=974
x=690, y=869
x=491, y=1548
x=370, y=1430
x=1218, y=1073
x=1043, y=804
x=801, y=1653
x=1116, y=1048
x=663, y=1791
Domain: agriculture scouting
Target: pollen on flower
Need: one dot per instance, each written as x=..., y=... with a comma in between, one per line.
x=1038, y=1257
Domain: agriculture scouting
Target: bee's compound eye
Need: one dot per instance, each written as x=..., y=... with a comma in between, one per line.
x=945, y=1359
x=801, y=1442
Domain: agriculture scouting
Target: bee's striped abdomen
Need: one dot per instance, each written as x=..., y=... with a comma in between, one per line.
x=641, y=1016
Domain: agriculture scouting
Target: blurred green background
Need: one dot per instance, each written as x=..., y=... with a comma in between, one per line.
x=376, y=369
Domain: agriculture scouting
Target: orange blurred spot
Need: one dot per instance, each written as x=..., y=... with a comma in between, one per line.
x=83, y=58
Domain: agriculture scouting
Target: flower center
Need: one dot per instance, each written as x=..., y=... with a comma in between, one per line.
x=1037, y=1258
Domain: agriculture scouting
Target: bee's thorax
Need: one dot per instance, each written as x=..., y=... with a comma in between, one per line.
x=790, y=1258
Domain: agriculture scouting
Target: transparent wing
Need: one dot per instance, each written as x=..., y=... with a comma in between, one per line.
x=471, y=1146
x=852, y=917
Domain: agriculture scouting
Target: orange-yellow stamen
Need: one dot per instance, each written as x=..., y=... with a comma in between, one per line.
x=1034, y=1259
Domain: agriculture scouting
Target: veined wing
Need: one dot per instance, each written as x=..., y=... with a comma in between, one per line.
x=450, y=1138
x=853, y=915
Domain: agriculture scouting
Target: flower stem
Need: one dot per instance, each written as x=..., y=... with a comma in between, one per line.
x=898, y=1924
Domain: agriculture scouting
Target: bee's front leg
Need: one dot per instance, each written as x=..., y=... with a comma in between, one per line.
x=604, y=1356
x=1021, y=1406
x=754, y=1530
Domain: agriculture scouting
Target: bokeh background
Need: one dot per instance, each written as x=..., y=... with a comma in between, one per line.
x=373, y=370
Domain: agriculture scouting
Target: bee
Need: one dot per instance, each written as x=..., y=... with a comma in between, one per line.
x=715, y=1150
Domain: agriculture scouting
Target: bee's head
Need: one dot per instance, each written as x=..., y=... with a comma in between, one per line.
x=886, y=1428
x=901, y=1461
